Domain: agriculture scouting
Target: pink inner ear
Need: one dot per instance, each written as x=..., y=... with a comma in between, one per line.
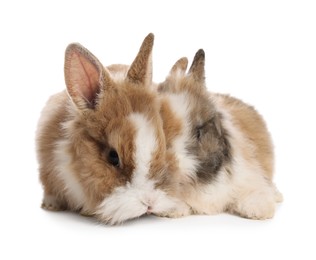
x=84, y=78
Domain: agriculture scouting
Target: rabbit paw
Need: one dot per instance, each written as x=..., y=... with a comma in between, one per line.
x=256, y=206
x=176, y=213
x=52, y=204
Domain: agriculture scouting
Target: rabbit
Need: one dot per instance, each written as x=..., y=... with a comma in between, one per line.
x=100, y=143
x=223, y=151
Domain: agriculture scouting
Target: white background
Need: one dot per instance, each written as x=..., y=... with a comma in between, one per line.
x=263, y=52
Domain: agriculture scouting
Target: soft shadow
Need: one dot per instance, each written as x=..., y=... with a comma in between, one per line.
x=76, y=218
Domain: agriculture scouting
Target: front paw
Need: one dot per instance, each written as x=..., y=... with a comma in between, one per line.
x=176, y=213
x=52, y=204
x=256, y=206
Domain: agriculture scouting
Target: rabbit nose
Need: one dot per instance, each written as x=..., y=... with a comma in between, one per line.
x=149, y=210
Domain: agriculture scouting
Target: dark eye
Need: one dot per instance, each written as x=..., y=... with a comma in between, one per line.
x=199, y=132
x=113, y=158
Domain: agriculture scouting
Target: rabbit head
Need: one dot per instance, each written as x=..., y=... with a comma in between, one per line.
x=200, y=143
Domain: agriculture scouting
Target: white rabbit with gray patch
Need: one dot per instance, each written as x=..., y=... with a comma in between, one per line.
x=222, y=151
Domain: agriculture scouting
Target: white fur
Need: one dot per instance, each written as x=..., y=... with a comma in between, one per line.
x=118, y=76
x=62, y=158
x=146, y=144
x=66, y=174
x=49, y=111
x=130, y=201
x=253, y=194
x=181, y=108
x=245, y=191
x=139, y=196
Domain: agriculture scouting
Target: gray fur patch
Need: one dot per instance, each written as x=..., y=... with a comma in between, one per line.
x=210, y=143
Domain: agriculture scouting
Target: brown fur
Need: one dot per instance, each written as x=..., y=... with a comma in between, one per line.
x=46, y=136
x=252, y=125
x=245, y=117
x=94, y=121
x=211, y=147
x=230, y=142
x=172, y=126
x=169, y=179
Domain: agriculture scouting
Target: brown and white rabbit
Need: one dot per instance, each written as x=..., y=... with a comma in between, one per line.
x=100, y=144
x=223, y=150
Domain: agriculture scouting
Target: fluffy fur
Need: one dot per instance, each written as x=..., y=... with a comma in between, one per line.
x=101, y=143
x=223, y=154
x=112, y=147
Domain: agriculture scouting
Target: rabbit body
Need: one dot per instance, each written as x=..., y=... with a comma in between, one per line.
x=113, y=147
x=100, y=144
x=223, y=150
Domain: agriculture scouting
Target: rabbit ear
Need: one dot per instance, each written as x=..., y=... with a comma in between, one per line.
x=197, y=68
x=178, y=69
x=140, y=72
x=181, y=65
x=84, y=75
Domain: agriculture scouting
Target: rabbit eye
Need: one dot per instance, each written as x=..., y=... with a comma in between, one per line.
x=198, y=134
x=113, y=158
x=202, y=130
